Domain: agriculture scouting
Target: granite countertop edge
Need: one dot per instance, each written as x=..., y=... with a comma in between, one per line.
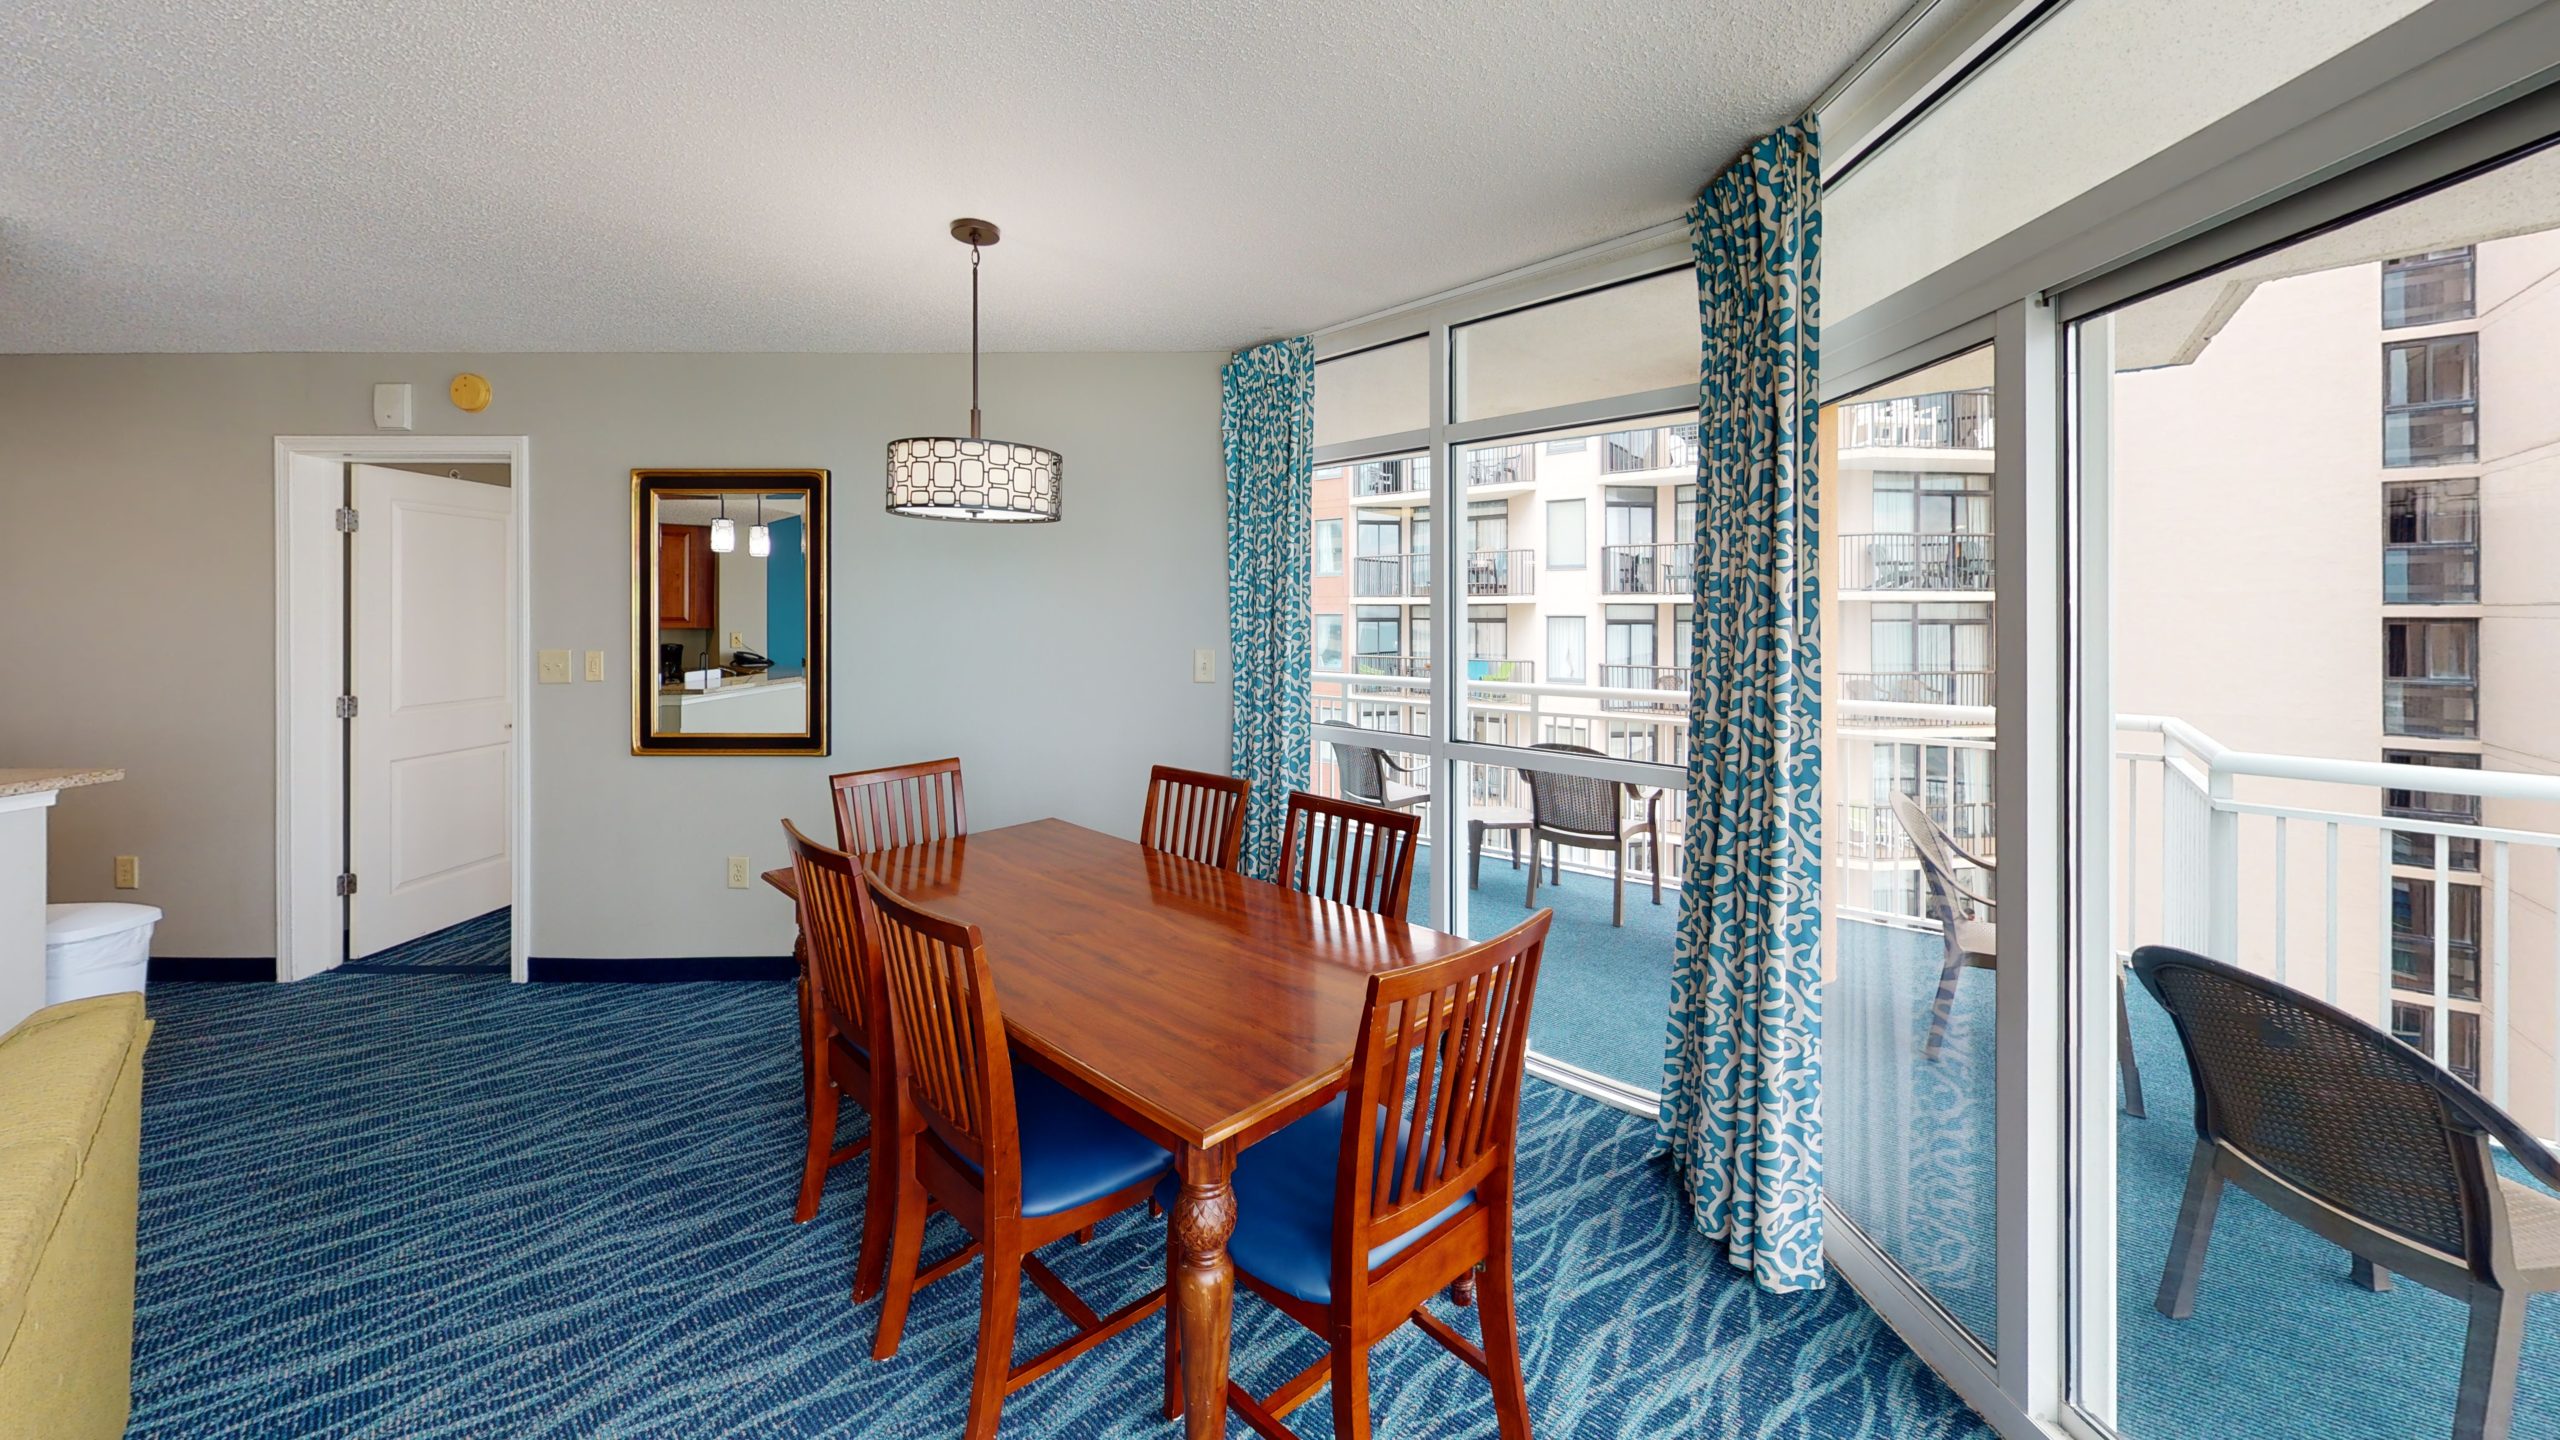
x=32, y=781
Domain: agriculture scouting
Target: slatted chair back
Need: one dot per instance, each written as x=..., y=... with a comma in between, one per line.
x=2333, y=1106
x=899, y=805
x=1937, y=867
x=1575, y=804
x=831, y=929
x=1434, y=1107
x=1196, y=815
x=946, y=1035
x=1360, y=855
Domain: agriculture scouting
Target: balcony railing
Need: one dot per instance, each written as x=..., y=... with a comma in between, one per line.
x=1387, y=577
x=1391, y=477
x=2437, y=709
x=1506, y=465
x=1941, y=420
x=1918, y=687
x=2435, y=573
x=1906, y=560
x=1647, y=569
x=1668, y=447
x=1871, y=832
x=1501, y=572
x=1653, y=678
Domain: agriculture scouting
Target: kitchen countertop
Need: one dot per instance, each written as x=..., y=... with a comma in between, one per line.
x=37, y=781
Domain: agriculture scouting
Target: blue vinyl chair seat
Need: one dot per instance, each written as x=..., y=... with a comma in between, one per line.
x=1073, y=1153
x=1285, y=1208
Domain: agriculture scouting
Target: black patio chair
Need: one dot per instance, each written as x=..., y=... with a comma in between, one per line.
x=2347, y=1132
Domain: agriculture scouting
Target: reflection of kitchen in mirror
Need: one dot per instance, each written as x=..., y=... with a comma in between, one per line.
x=729, y=576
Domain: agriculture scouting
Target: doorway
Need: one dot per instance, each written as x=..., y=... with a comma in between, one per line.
x=403, y=795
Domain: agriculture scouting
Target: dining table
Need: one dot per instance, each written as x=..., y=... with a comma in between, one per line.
x=1202, y=1008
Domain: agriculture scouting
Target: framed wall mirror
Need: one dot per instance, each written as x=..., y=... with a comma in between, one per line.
x=729, y=612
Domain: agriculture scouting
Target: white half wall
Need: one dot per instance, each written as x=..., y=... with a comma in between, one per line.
x=137, y=548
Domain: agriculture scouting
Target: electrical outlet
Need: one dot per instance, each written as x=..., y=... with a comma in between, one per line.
x=554, y=667
x=128, y=872
x=737, y=638
x=595, y=664
x=738, y=872
x=1204, y=666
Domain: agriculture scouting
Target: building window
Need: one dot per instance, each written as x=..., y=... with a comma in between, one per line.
x=1568, y=540
x=1628, y=662
x=2413, y=936
x=1329, y=547
x=2430, y=678
x=2414, y=1026
x=1418, y=638
x=2431, y=401
x=1488, y=637
x=1379, y=633
x=1328, y=644
x=1566, y=639
x=2420, y=849
x=2427, y=289
x=1936, y=653
x=2431, y=542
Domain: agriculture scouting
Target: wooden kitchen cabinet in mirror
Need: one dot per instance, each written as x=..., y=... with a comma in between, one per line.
x=729, y=612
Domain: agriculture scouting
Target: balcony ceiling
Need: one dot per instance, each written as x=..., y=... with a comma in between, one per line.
x=240, y=175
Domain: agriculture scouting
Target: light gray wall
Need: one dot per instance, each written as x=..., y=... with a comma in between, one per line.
x=137, y=556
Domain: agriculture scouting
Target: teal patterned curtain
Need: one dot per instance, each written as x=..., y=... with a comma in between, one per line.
x=1741, y=1093
x=1270, y=427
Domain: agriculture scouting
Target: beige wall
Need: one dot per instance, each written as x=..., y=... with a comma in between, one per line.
x=137, y=518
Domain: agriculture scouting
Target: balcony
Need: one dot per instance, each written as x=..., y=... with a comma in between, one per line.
x=1656, y=678
x=2431, y=707
x=1381, y=478
x=1908, y=560
x=1871, y=833
x=1501, y=572
x=1391, y=577
x=2438, y=573
x=1941, y=420
x=1648, y=569
x=1918, y=687
x=1667, y=447
x=1502, y=465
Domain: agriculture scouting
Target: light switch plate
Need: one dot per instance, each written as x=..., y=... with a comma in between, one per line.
x=595, y=664
x=554, y=667
x=391, y=407
x=1204, y=666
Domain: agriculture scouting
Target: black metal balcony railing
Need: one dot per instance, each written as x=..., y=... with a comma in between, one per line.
x=1397, y=667
x=1941, y=420
x=1904, y=560
x=2435, y=573
x=1918, y=687
x=1508, y=465
x=1873, y=832
x=1391, y=477
x=1386, y=577
x=1501, y=572
x=1646, y=677
x=2435, y=709
x=1669, y=447
x=1647, y=569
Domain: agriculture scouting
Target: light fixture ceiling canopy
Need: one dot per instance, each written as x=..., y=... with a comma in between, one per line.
x=949, y=477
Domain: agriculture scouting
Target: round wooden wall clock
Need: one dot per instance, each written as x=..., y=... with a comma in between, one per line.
x=470, y=392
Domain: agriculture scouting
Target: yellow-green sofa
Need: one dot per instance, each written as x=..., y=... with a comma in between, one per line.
x=70, y=1147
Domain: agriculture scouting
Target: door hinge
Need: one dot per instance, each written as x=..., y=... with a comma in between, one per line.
x=347, y=883
x=346, y=707
x=346, y=520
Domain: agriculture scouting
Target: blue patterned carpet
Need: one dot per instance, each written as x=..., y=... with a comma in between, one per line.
x=441, y=1205
x=477, y=946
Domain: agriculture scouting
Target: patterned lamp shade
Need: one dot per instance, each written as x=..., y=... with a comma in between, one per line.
x=946, y=478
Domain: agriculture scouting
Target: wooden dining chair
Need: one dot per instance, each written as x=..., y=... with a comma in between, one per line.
x=1358, y=854
x=1016, y=1157
x=897, y=805
x=1348, y=1220
x=1196, y=815
x=847, y=1038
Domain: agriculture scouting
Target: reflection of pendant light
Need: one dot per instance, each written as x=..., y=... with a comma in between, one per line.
x=724, y=531
x=759, y=538
x=947, y=478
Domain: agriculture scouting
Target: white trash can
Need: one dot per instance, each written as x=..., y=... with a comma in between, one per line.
x=96, y=947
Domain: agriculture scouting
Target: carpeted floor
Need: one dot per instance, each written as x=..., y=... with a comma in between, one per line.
x=435, y=1204
x=477, y=946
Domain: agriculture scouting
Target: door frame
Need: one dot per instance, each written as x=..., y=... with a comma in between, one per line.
x=310, y=633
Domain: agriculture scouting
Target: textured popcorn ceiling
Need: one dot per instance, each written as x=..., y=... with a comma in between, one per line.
x=777, y=175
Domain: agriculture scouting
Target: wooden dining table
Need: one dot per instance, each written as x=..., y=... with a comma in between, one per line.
x=1203, y=1009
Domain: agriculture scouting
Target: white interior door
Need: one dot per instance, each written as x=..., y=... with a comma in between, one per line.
x=429, y=757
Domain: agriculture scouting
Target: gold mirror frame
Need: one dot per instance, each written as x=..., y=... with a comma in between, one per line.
x=647, y=487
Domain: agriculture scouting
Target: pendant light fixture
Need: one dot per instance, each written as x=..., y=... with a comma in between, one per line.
x=948, y=478
x=724, y=531
x=759, y=536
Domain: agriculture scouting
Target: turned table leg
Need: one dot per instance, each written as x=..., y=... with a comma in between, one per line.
x=1204, y=1286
